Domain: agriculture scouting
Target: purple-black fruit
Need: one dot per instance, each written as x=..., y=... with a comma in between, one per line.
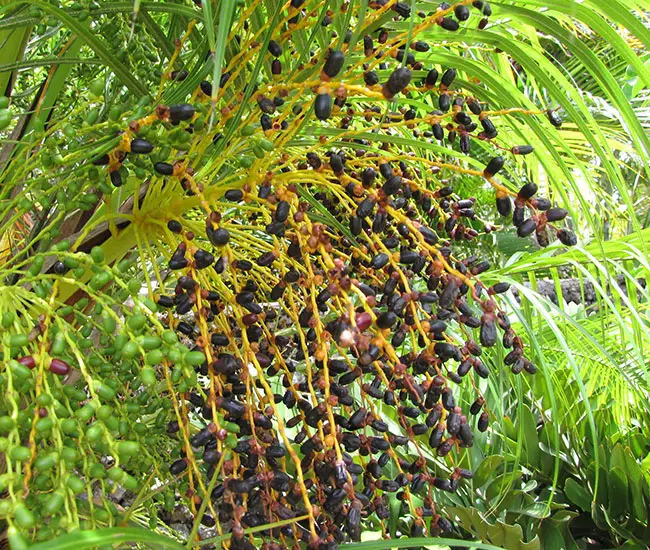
x=493, y=167
x=398, y=80
x=567, y=237
x=180, y=112
x=334, y=63
x=323, y=106
x=141, y=146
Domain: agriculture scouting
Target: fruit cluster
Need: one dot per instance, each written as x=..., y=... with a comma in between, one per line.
x=303, y=363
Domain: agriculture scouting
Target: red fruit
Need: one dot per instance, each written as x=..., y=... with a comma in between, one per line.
x=363, y=321
x=60, y=367
x=28, y=361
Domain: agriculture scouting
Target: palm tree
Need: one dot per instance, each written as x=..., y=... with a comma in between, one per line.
x=210, y=212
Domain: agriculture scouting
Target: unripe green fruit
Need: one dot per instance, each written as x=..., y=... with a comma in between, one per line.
x=18, y=340
x=58, y=345
x=134, y=286
x=8, y=318
x=136, y=322
x=170, y=337
x=154, y=357
x=20, y=454
x=85, y=413
x=97, y=471
x=130, y=349
x=94, y=433
x=53, y=504
x=5, y=118
x=148, y=376
x=76, y=485
x=45, y=462
x=69, y=455
x=97, y=254
x=116, y=474
x=44, y=425
x=6, y=424
x=194, y=358
x=96, y=87
x=24, y=517
x=68, y=426
x=128, y=448
x=174, y=355
x=16, y=540
x=105, y=392
x=5, y=508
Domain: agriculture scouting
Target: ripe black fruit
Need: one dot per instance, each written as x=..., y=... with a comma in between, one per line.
x=461, y=12
x=366, y=207
x=527, y=191
x=179, y=75
x=234, y=195
x=504, y=205
x=483, y=6
x=282, y=211
x=518, y=216
x=203, y=259
x=386, y=170
x=393, y=185
x=397, y=81
x=265, y=104
x=141, y=146
x=379, y=260
x=314, y=160
x=444, y=102
x=206, y=87
x=448, y=77
x=461, y=117
x=488, y=333
x=164, y=168
x=266, y=122
x=218, y=237
x=522, y=149
x=368, y=46
x=556, y=214
x=403, y=9
x=370, y=78
x=483, y=422
x=474, y=106
x=182, y=111
x=323, y=106
x=554, y=118
x=499, y=288
x=165, y=301
x=102, y=161
x=368, y=176
x=116, y=178
x=527, y=227
x=336, y=163
x=489, y=129
x=567, y=237
x=449, y=24
x=178, y=467
x=420, y=46
x=334, y=63
x=386, y=320
x=275, y=49
x=493, y=167
x=432, y=78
